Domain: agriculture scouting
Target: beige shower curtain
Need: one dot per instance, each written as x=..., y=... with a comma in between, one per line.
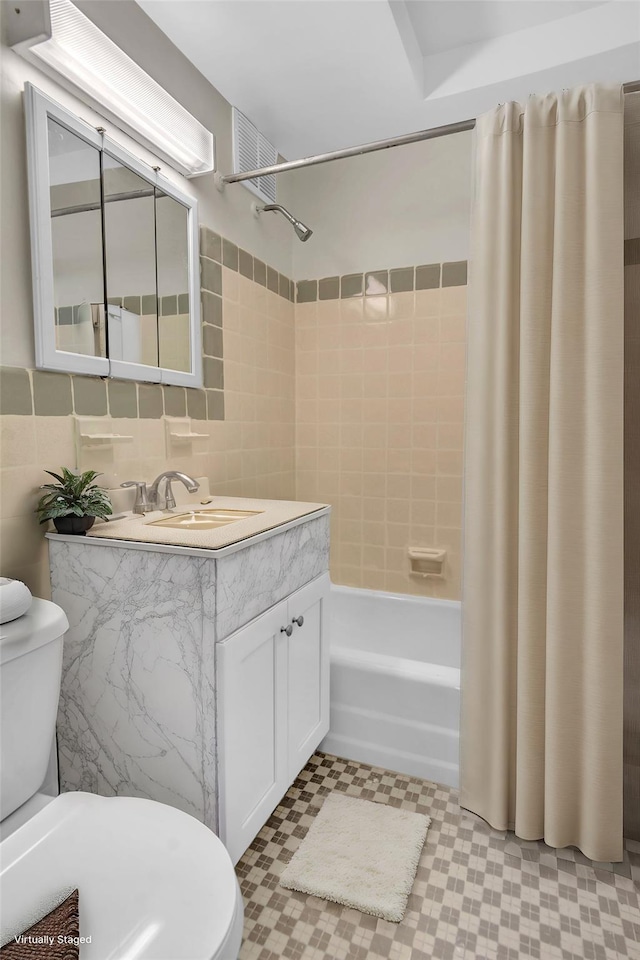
x=541, y=738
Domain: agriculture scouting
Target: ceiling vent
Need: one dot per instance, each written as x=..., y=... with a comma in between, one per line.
x=250, y=151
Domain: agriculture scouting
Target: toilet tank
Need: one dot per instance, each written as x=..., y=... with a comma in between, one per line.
x=30, y=672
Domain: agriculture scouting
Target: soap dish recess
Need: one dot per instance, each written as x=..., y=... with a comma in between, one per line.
x=90, y=432
x=178, y=430
x=427, y=561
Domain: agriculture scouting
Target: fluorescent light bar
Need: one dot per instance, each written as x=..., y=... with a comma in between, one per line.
x=101, y=74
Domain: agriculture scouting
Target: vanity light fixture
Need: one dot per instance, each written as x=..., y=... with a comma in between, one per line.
x=60, y=40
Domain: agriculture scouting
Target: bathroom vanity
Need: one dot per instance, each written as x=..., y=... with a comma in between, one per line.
x=196, y=666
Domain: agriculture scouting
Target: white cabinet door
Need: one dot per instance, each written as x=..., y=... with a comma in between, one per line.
x=308, y=672
x=252, y=727
x=273, y=709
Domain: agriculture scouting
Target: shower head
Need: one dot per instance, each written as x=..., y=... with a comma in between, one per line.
x=302, y=230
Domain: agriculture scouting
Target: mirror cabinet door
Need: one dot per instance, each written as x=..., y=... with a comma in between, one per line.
x=172, y=253
x=130, y=256
x=115, y=256
x=76, y=236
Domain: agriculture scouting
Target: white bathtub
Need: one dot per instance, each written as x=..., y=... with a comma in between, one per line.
x=395, y=682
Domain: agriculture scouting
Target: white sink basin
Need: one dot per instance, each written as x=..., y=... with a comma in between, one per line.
x=206, y=519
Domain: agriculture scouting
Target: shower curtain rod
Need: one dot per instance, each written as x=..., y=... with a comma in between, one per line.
x=431, y=134
x=372, y=147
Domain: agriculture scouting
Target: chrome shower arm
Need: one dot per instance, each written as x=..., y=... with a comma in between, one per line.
x=302, y=230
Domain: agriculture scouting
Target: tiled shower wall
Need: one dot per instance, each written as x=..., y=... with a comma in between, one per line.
x=380, y=361
x=248, y=449
x=632, y=470
x=378, y=401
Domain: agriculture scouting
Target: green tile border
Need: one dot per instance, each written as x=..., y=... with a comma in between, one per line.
x=170, y=305
x=90, y=396
x=123, y=399
x=211, y=308
x=210, y=275
x=259, y=272
x=401, y=280
x=150, y=403
x=197, y=404
x=15, y=392
x=210, y=244
x=370, y=283
x=43, y=393
x=307, y=291
x=213, y=373
x=376, y=283
x=428, y=276
x=230, y=255
x=329, y=288
x=175, y=401
x=245, y=264
x=351, y=285
x=454, y=274
x=272, y=280
x=215, y=405
x=212, y=341
x=216, y=251
x=52, y=394
x=47, y=393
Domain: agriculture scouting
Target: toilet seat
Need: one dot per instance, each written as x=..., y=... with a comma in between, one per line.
x=154, y=882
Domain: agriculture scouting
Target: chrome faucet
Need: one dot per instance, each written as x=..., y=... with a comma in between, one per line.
x=148, y=498
x=169, y=499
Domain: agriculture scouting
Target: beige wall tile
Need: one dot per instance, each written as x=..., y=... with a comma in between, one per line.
x=392, y=369
x=17, y=441
x=36, y=575
x=20, y=490
x=23, y=542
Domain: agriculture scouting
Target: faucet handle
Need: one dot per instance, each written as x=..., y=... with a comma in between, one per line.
x=142, y=504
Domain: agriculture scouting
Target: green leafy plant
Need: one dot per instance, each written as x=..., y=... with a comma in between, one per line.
x=75, y=495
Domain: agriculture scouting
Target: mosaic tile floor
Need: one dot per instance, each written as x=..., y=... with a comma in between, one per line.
x=478, y=895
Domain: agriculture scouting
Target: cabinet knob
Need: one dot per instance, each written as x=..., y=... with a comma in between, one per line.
x=299, y=620
x=288, y=629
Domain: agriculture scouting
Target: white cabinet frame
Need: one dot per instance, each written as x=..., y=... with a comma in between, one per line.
x=38, y=109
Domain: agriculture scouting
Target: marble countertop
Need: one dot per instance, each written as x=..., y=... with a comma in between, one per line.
x=274, y=517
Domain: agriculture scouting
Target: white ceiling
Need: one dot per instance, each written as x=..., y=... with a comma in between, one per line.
x=317, y=75
x=441, y=26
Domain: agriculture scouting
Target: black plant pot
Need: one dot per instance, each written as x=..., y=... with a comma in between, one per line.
x=74, y=525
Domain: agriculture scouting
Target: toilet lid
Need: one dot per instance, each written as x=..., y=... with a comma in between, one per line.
x=154, y=882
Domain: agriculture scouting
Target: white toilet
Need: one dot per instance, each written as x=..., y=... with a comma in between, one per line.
x=153, y=881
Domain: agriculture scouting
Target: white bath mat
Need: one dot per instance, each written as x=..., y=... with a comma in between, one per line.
x=362, y=854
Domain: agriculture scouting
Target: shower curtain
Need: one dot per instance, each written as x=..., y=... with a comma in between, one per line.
x=542, y=683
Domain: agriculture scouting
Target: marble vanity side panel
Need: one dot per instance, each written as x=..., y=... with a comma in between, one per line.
x=208, y=695
x=135, y=716
x=252, y=580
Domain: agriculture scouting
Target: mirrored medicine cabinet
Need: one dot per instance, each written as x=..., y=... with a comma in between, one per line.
x=114, y=256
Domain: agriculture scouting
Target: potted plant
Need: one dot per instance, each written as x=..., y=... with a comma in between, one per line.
x=74, y=502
